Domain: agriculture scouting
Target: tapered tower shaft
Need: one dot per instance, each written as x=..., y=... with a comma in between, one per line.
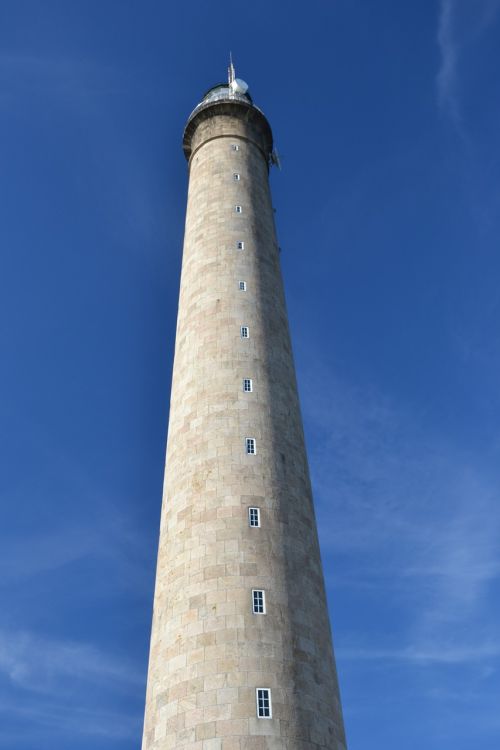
x=241, y=653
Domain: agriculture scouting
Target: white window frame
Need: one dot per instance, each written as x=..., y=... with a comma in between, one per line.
x=250, y=442
x=268, y=691
x=238, y=209
x=250, y=385
x=250, y=517
x=236, y=176
x=245, y=332
x=240, y=245
x=235, y=147
x=258, y=601
x=242, y=286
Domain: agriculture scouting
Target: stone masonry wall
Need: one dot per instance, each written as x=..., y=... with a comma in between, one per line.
x=209, y=652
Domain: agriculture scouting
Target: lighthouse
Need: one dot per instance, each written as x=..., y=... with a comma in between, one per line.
x=241, y=655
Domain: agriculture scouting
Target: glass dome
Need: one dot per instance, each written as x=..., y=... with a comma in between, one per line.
x=223, y=91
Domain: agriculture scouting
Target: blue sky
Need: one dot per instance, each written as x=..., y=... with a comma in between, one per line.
x=387, y=117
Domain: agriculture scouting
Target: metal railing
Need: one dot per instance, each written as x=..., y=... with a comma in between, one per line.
x=223, y=96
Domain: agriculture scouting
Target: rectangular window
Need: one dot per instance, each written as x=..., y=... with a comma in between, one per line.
x=247, y=385
x=243, y=286
x=254, y=518
x=236, y=177
x=251, y=446
x=238, y=209
x=258, y=602
x=235, y=147
x=240, y=245
x=244, y=332
x=264, y=708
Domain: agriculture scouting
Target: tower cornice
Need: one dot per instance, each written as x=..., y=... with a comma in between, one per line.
x=239, y=107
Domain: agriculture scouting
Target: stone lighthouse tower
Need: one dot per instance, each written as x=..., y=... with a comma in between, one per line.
x=241, y=655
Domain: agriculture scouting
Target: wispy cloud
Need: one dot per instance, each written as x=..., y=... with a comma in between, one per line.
x=97, y=527
x=47, y=666
x=447, y=75
x=439, y=654
x=459, y=24
x=111, y=541
x=46, y=720
x=64, y=688
x=409, y=515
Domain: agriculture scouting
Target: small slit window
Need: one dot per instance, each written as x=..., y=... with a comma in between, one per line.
x=240, y=245
x=258, y=602
x=235, y=147
x=250, y=446
x=254, y=518
x=247, y=385
x=264, y=707
x=238, y=209
x=244, y=332
x=236, y=177
x=242, y=286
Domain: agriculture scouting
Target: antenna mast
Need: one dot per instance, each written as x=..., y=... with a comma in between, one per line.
x=231, y=74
